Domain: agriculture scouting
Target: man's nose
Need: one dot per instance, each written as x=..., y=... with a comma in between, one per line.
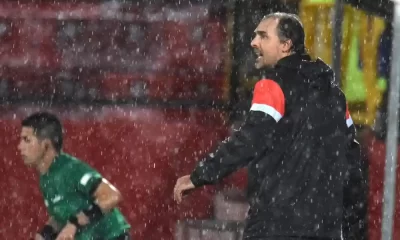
x=253, y=43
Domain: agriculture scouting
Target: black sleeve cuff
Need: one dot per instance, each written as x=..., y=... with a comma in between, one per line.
x=74, y=220
x=195, y=178
x=94, y=212
x=95, y=185
x=48, y=233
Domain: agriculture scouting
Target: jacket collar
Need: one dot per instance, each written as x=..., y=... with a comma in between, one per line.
x=293, y=61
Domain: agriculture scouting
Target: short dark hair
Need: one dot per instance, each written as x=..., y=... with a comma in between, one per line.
x=46, y=125
x=290, y=28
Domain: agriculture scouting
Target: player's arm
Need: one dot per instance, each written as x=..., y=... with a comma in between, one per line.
x=252, y=139
x=104, y=197
x=49, y=230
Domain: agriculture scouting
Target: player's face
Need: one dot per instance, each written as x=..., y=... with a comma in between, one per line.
x=266, y=43
x=30, y=147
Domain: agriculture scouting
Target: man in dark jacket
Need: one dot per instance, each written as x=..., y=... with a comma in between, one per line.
x=293, y=141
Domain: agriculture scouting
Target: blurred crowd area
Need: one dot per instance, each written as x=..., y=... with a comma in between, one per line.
x=145, y=88
x=190, y=51
x=117, y=50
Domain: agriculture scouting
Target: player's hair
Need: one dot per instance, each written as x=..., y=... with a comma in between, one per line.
x=290, y=28
x=46, y=126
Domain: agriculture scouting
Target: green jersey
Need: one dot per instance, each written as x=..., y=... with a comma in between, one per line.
x=67, y=188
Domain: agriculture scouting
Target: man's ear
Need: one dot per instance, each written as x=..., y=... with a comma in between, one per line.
x=286, y=46
x=46, y=143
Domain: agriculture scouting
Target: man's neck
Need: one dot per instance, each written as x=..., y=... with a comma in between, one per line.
x=48, y=159
x=283, y=55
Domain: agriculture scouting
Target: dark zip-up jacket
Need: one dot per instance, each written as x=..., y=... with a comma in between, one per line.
x=293, y=142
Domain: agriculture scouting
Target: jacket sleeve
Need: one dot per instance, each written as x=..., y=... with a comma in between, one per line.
x=355, y=190
x=252, y=139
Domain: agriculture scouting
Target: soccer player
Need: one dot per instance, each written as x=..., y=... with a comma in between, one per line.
x=82, y=204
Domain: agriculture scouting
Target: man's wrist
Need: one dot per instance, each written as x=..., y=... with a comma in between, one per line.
x=48, y=232
x=74, y=221
x=195, y=179
x=93, y=212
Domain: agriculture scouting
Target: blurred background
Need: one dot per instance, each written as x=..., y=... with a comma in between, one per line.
x=146, y=88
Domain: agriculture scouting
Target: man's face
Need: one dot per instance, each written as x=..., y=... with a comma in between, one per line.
x=30, y=147
x=266, y=44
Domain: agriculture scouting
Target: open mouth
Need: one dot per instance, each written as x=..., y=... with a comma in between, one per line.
x=258, y=54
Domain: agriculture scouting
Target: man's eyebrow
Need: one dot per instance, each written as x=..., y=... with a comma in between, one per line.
x=258, y=32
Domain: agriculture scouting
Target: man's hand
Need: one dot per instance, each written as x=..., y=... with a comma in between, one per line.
x=182, y=184
x=67, y=233
x=82, y=219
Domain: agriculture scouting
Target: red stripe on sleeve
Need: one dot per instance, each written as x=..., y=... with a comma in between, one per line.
x=268, y=97
x=347, y=112
x=349, y=120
